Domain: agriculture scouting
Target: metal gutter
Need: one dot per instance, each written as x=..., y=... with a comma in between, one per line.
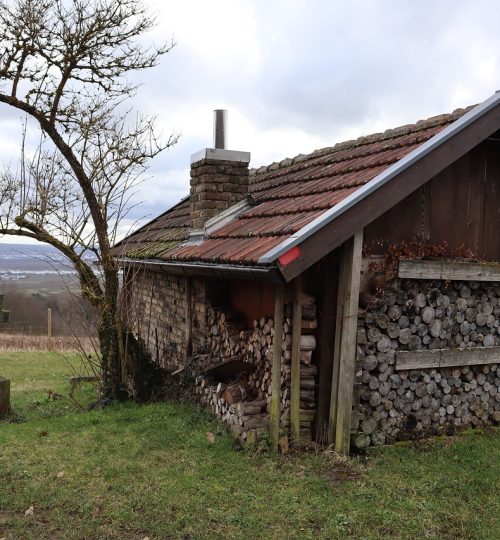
x=381, y=179
x=270, y=273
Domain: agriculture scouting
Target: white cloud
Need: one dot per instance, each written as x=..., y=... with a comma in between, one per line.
x=297, y=75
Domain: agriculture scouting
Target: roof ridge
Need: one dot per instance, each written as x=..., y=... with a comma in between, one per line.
x=388, y=134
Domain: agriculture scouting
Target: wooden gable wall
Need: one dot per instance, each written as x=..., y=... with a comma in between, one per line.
x=461, y=206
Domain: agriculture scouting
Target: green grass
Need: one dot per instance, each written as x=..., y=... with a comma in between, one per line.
x=149, y=471
x=34, y=374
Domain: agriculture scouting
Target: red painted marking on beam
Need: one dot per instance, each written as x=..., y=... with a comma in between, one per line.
x=289, y=256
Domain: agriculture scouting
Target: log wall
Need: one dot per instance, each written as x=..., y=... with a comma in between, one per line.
x=420, y=315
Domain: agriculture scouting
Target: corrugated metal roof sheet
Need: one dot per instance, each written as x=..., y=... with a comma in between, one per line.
x=289, y=195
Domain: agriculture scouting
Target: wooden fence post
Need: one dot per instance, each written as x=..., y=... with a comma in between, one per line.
x=189, y=318
x=274, y=421
x=49, y=329
x=345, y=344
x=4, y=315
x=4, y=396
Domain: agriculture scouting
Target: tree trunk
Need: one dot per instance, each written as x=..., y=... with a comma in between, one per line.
x=113, y=387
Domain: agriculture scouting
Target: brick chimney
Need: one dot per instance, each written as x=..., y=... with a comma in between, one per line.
x=219, y=177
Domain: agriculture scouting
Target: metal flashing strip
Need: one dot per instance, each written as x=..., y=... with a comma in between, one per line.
x=197, y=236
x=221, y=154
x=227, y=216
x=380, y=179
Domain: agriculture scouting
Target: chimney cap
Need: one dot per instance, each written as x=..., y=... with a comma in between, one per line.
x=220, y=154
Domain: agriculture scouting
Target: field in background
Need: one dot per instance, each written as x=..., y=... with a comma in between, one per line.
x=20, y=342
x=167, y=470
x=28, y=300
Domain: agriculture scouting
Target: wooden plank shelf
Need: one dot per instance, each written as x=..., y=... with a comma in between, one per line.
x=441, y=358
x=449, y=270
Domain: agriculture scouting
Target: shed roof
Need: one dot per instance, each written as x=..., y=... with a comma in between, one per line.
x=289, y=196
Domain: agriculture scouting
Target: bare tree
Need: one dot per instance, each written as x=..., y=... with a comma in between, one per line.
x=64, y=63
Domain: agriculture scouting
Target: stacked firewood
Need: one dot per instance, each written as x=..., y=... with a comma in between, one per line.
x=244, y=401
x=241, y=402
x=419, y=315
x=260, y=348
x=308, y=371
x=246, y=417
x=227, y=336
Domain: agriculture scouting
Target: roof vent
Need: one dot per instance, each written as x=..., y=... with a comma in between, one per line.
x=220, y=128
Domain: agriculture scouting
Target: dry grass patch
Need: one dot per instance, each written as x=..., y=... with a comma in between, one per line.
x=20, y=342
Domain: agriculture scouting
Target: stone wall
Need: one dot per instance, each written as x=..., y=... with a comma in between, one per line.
x=156, y=305
x=392, y=404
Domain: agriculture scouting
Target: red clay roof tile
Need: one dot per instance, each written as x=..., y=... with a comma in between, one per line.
x=289, y=195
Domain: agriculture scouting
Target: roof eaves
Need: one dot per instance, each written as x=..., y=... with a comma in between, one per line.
x=221, y=270
x=380, y=180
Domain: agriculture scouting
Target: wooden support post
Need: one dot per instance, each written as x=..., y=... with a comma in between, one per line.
x=295, y=371
x=279, y=300
x=4, y=396
x=336, y=347
x=326, y=323
x=189, y=319
x=345, y=344
x=49, y=329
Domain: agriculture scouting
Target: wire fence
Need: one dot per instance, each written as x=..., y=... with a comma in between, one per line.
x=33, y=330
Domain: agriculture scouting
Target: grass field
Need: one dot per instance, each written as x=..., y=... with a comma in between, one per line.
x=151, y=471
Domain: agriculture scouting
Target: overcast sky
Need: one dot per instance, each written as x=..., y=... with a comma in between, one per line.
x=297, y=75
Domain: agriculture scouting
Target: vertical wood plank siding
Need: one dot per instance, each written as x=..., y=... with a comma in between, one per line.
x=460, y=206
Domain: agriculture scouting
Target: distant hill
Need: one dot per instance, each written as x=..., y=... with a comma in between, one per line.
x=32, y=259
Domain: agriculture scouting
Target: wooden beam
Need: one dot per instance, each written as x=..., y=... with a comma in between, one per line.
x=325, y=352
x=295, y=371
x=189, y=318
x=49, y=329
x=440, y=358
x=345, y=344
x=449, y=270
x=385, y=197
x=274, y=423
x=341, y=287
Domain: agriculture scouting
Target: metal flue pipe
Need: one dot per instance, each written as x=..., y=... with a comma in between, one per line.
x=220, y=128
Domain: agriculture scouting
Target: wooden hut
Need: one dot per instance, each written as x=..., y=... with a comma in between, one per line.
x=351, y=295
